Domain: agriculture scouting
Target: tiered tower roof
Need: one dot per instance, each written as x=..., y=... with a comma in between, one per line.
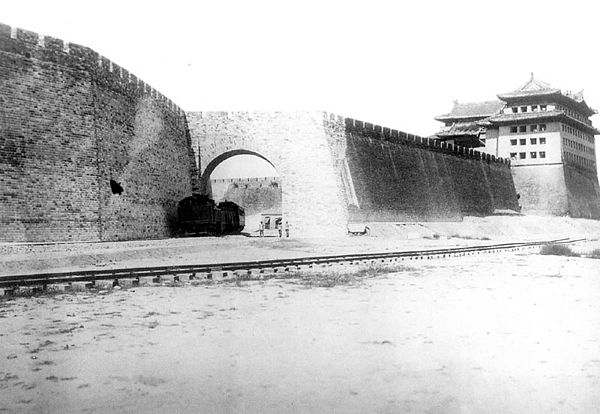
x=471, y=119
x=535, y=90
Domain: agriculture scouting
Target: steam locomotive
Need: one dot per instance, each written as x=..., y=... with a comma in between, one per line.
x=199, y=214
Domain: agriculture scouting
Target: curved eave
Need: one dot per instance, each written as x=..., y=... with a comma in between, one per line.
x=458, y=134
x=520, y=95
x=506, y=119
x=460, y=118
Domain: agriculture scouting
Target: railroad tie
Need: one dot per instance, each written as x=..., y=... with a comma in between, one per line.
x=146, y=280
x=126, y=282
x=167, y=278
x=79, y=286
x=104, y=284
x=56, y=287
x=183, y=277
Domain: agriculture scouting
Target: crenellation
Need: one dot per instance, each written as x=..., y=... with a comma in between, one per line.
x=104, y=64
x=84, y=54
x=27, y=36
x=115, y=69
x=5, y=30
x=79, y=109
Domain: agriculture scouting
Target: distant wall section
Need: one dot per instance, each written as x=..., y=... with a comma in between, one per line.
x=71, y=121
x=255, y=194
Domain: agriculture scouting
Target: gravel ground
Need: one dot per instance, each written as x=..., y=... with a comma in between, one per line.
x=30, y=258
x=498, y=333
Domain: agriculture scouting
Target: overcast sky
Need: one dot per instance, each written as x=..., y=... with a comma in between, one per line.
x=386, y=62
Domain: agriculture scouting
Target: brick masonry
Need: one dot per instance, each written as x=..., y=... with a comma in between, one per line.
x=558, y=189
x=337, y=170
x=390, y=175
x=70, y=121
x=296, y=144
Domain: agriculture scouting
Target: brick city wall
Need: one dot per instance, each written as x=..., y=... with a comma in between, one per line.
x=70, y=121
x=559, y=190
x=296, y=144
x=542, y=189
x=389, y=175
x=334, y=170
x=583, y=192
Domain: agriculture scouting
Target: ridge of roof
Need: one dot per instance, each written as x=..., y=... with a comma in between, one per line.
x=473, y=110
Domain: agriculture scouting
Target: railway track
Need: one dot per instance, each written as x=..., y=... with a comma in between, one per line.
x=127, y=277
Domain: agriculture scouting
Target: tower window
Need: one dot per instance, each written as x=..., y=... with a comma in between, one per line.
x=542, y=141
x=523, y=109
x=543, y=108
x=533, y=141
x=542, y=127
x=542, y=154
x=513, y=155
x=523, y=141
x=523, y=128
x=533, y=154
x=522, y=155
x=515, y=109
x=513, y=129
x=513, y=142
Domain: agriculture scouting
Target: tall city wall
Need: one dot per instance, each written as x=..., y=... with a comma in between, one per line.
x=559, y=190
x=389, y=175
x=70, y=122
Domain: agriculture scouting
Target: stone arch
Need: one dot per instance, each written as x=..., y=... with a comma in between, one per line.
x=297, y=146
x=210, y=167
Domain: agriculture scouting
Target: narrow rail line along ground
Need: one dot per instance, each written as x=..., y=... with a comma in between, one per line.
x=128, y=277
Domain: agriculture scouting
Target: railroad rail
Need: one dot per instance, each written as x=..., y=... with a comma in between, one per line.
x=127, y=277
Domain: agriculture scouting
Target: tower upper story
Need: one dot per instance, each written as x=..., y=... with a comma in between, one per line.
x=534, y=124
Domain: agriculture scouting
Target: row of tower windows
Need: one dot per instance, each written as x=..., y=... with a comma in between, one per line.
x=573, y=114
x=578, y=146
x=532, y=154
x=532, y=141
x=579, y=160
x=577, y=133
x=523, y=128
x=530, y=108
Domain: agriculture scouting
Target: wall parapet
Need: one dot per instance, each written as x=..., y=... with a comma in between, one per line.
x=378, y=132
x=32, y=45
x=246, y=180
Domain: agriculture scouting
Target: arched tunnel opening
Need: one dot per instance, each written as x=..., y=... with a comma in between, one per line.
x=252, y=182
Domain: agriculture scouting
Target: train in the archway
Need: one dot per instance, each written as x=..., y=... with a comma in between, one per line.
x=199, y=214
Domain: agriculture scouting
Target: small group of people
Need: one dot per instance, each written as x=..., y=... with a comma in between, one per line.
x=280, y=228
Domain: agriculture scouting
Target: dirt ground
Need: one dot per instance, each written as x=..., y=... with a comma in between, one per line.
x=500, y=333
x=36, y=258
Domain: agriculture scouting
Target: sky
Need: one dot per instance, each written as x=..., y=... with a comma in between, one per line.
x=393, y=63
